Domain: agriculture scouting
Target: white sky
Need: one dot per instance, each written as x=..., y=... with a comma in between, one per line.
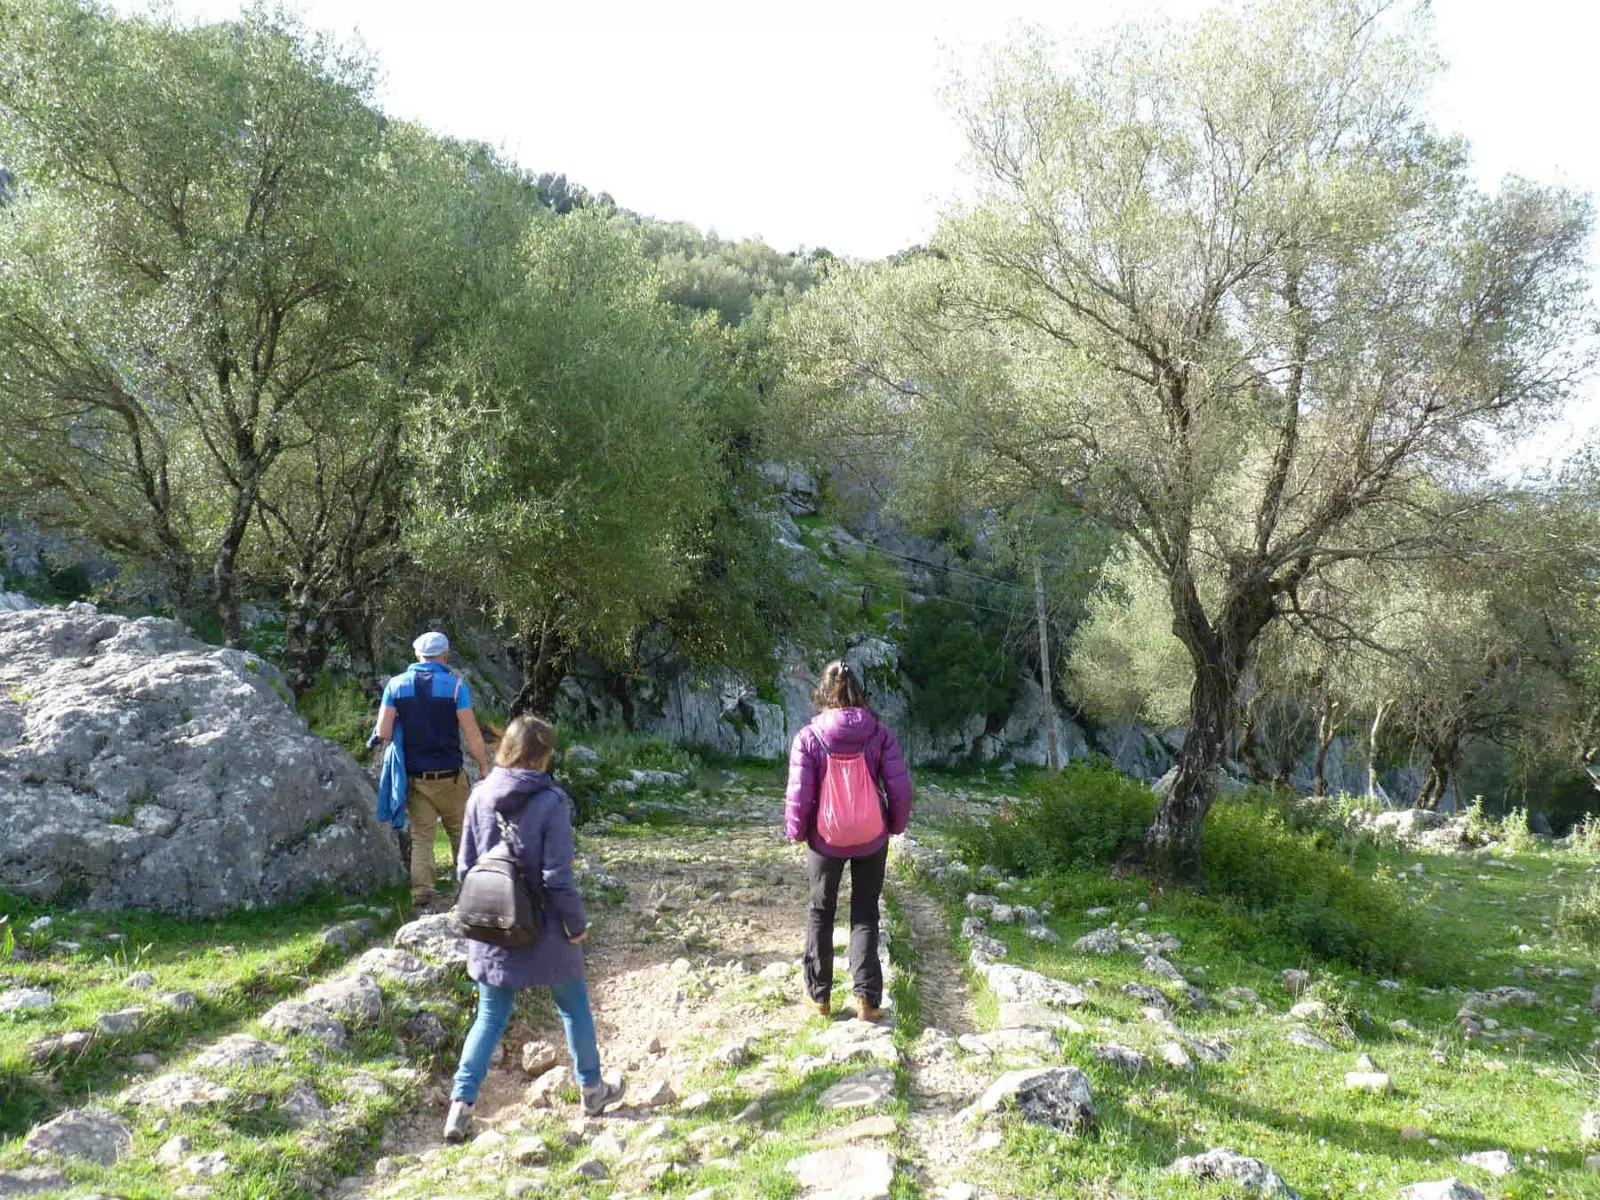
x=819, y=123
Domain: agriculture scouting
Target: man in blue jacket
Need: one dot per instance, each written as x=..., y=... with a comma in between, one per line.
x=434, y=709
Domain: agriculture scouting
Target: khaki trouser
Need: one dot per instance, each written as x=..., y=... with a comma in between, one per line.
x=428, y=802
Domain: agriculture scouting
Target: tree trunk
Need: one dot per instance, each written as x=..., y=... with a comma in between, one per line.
x=543, y=656
x=1327, y=728
x=1172, y=843
x=306, y=641
x=1052, y=750
x=1249, y=751
x=1372, y=747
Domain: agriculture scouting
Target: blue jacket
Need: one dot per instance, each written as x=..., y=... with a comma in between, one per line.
x=539, y=813
x=392, y=781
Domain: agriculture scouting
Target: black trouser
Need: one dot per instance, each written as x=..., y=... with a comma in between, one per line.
x=866, y=886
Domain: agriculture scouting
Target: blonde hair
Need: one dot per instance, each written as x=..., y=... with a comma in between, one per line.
x=528, y=742
x=838, y=687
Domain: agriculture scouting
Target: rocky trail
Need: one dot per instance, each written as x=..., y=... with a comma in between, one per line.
x=734, y=1087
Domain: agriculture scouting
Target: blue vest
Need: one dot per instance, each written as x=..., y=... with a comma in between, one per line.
x=425, y=700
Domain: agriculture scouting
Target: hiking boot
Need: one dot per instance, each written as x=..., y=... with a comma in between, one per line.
x=601, y=1094
x=458, y=1122
x=866, y=1011
x=822, y=1007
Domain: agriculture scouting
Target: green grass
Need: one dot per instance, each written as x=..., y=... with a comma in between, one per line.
x=235, y=968
x=1483, y=925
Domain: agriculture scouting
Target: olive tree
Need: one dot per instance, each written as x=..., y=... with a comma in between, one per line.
x=1224, y=288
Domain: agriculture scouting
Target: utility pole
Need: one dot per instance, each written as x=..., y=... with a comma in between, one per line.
x=1052, y=749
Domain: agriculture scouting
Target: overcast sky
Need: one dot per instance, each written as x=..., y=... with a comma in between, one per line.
x=820, y=123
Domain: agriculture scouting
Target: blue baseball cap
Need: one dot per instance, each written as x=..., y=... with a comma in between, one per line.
x=431, y=644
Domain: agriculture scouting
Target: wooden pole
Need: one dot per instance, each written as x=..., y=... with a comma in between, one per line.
x=1052, y=749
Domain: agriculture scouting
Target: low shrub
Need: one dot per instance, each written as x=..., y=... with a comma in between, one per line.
x=1515, y=834
x=1578, y=919
x=1309, y=890
x=1586, y=835
x=1300, y=873
x=336, y=708
x=1088, y=814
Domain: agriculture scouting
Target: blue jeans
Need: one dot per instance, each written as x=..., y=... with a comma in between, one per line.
x=494, y=1014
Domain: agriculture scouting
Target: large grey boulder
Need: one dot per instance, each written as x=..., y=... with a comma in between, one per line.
x=144, y=769
x=87, y=1133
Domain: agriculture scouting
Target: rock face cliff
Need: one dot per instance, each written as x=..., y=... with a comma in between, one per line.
x=142, y=768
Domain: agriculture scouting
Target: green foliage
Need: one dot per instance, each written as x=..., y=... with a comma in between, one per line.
x=960, y=663
x=1586, y=835
x=1302, y=889
x=1515, y=834
x=1578, y=919
x=336, y=708
x=1296, y=876
x=1088, y=814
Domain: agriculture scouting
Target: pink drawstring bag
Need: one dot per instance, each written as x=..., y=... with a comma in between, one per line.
x=849, y=812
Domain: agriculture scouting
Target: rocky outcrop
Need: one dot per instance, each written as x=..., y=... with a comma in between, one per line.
x=141, y=768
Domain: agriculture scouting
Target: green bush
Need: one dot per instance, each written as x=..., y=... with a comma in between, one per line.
x=1297, y=875
x=1088, y=814
x=960, y=664
x=1586, y=835
x=1516, y=835
x=1338, y=905
x=1578, y=919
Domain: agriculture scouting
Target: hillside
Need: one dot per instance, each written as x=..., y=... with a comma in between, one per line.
x=1187, y=1020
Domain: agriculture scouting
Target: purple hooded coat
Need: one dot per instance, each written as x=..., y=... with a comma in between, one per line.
x=844, y=731
x=541, y=815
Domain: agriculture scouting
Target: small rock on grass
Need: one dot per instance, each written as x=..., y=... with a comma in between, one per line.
x=538, y=1057
x=1368, y=1081
x=1589, y=1127
x=88, y=1133
x=173, y=1151
x=1250, y=1175
x=865, y=1089
x=1056, y=1096
x=1441, y=1189
x=1308, y=1040
x=140, y=981
x=1496, y=1162
x=30, y=1181
x=25, y=1000
x=1124, y=1058
x=657, y=1093
x=845, y=1173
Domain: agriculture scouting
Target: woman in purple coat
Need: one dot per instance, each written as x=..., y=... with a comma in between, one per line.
x=520, y=791
x=844, y=725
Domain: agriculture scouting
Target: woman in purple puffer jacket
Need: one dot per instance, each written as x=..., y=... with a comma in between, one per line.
x=844, y=725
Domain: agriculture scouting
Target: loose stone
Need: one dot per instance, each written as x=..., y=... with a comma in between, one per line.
x=88, y=1133
x=1223, y=1165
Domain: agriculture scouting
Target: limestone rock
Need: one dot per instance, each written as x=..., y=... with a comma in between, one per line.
x=996, y=1042
x=545, y=1091
x=1019, y=985
x=178, y=1092
x=1154, y=964
x=1368, y=1081
x=1146, y=994
x=347, y=935
x=1310, y=1010
x=1441, y=1189
x=302, y=1105
x=1175, y=1056
x=207, y=1166
x=592, y=1168
x=124, y=1020
x=844, y=1173
x=251, y=808
x=1310, y=1041
x=25, y=1000
x=425, y=1028
x=1124, y=1058
x=354, y=999
x=1229, y=1166
x=1056, y=1096
x=657, y=1093
x=308, y=1020
x=1296, y=981
x=984, y=949
x=88, y=1133
x=30, y=1181
x=1496, y=1162
x=1589, y=1127
x=173, y=1151
x=238, y=1050
x=864, y=1089
x=140, y=981
x=407, y=970
x=1017, y=1014
x=1101, y=941
x=437, y=937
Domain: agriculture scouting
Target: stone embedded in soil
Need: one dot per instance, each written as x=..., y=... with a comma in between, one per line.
x=985, y=949
x=1124, y=1058
x=1009, y=983
x=426, y=1029
x=239, y=1050
x=1154, y=964
x=999, y=1042
x=302, y=1106
x=1441, y=1189
x=592, y=1168
x=881, y=1126
x=1368, y=1081
x=1175, y=1056
x=1242, y=995
x=25, y=1000
x=347, y=935
x=1056, y=1096
x=178, y=1092
x=735, y=1053
x=657, y=1093
x=72, y=1042
x=1589, y=1127
x=438, y=937
x=538, y=1057
x=207, y=1166
x=844, y=1173
x=1228, y=1166
x=401, y=967
x=87, y=1133
x=307, y=1020
x=529, y=1152
x=1496, y=1162
x=1296, y=981
x=29, y=1181
x=1101, y=941
x=182, y=1001
x=1146, y=994
x=352, y=998
x=1210, y=1050
x=1310, y=1041
x=1017, y=1014
x=1310, y=1010
x=544, y=1092
x=864, y=1089
x=140, y=981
